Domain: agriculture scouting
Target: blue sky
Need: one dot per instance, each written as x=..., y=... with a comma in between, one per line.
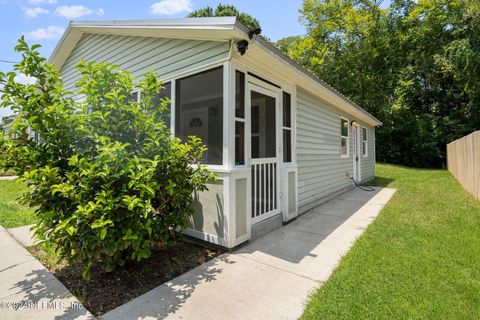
x=43, y=21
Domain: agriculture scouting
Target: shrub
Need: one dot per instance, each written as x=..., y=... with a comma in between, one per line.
x=108, y=178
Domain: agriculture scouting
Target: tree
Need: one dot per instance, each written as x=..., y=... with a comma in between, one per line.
x=287, y=44
x=108, y=179
x=223, y=10
x=414, y=65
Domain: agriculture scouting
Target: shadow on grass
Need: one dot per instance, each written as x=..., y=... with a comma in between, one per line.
x=382, y=182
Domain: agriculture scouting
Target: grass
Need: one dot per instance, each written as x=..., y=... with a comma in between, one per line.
x=12, y=213
x=6, y=173
x=419, y=260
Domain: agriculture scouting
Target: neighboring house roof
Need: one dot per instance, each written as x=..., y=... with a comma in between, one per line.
x=208, y=29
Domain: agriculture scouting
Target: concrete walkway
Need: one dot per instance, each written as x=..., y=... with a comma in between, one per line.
x=269, y=278
x=8, y=178
x=28, y=290
x=23, y=235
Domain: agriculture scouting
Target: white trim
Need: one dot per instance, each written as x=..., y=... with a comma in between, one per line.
x=244, y=63
x=173, y=94
x=227, y=145
x=342, y=155
x=254, y=84
x=138, y=92
x=357, y=153
x=206, y=237
x=286, y=169
x=365, y=155
x=194, y=71
x=291, y=129
x=294, y=127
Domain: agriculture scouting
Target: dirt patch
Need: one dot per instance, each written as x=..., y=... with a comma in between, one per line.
x=106, y=291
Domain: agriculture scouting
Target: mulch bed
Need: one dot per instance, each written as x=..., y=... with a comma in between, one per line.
x=106, y=291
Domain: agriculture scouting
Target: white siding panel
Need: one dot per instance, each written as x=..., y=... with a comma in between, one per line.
x=368, y=163
x=167, y=57
x=321, y=170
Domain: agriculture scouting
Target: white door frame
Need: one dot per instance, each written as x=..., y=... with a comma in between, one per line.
x=356, y=156
x=276, y=94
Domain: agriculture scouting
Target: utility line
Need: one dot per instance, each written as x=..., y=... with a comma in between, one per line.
x=8, y=61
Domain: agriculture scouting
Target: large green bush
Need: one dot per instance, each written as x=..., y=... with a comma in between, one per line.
x=108, y=179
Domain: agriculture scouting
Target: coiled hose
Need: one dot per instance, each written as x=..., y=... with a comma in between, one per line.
x=364, y=188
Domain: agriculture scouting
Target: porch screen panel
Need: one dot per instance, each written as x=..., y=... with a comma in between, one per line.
x=199, y=111
x=287, y=127
x=263, y=126
x=239, y=118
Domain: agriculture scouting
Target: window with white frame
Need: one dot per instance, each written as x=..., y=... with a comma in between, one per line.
x=344, y=137
x=287, y=127
x=364, y=142
x=164, y=94
x=199, y=111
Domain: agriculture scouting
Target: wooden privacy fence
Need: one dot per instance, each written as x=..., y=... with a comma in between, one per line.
x=463, y=157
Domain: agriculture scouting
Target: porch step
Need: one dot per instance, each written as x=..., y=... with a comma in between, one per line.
x=261, y=228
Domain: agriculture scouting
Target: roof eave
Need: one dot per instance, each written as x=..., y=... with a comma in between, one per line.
x=268, y=46
x=218, y=26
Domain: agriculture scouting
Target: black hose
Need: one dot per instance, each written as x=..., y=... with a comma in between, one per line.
x=364, y=188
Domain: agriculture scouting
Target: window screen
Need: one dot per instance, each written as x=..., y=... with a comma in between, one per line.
x=239, y=118
x=287, y=127
x=199, y=111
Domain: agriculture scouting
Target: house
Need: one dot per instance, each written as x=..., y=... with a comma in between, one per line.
x=281, y=140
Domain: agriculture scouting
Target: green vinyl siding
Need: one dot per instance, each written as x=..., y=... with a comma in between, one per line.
x=321, y=169
x=167, y=57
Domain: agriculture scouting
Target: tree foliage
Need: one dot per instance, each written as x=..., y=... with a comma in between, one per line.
x=224, y=10
x=414, y=65
x=108, y=179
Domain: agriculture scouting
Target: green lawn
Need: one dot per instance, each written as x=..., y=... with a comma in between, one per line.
x=420, y=259
x=13, y=214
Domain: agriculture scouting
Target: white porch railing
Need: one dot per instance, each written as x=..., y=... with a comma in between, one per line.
x=264, y=188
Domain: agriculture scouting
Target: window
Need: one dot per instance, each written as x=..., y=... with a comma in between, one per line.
x=165, y=93
x=239, y=118
x=287, y=127
x=364, y=142
x=199, y=100
x=344, y=137
x=134, y=96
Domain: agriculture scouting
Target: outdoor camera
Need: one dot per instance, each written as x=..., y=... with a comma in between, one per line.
x=242, y=46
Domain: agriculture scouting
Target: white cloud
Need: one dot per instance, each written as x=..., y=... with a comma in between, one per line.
x=33, y=12
x=51, y=32
x=42, y=1
x=72, y=12
x=169, y=7
x=24, y=79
